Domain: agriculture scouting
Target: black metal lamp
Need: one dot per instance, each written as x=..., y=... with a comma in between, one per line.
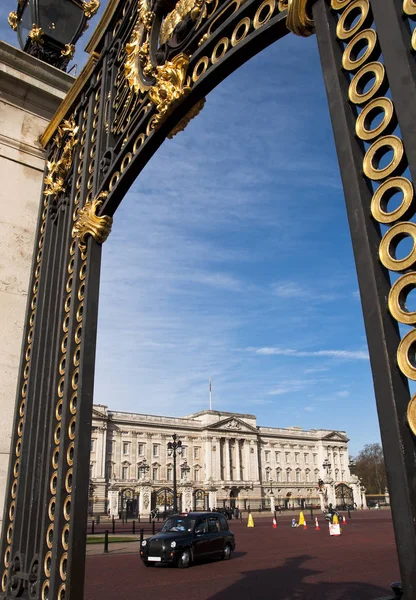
x=49, y=29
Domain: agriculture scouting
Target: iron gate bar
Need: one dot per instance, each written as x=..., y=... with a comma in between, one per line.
x=391, y=387
x=395, y=40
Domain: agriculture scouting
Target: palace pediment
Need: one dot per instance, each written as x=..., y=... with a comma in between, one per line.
x=335, y=436
x=232, y=424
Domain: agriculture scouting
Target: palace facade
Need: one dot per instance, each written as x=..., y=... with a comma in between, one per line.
x=228, y=460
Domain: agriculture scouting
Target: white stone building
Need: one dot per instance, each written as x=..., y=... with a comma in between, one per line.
x=228, y=461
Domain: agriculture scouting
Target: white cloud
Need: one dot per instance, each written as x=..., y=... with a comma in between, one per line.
x=342, y=394
x=343, y=354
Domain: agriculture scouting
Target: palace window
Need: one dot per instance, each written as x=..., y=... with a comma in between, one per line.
x=140, y=449
x=124, y=472
x=92, y=445
x=288, y=475
x=307, y=476
x=155, y=450
x=155, y=474
x=277, y=455
x=287, y=454
x=306, y=457
x=315, y=459
x=169, y=474
x=196, y=453
x=297, y=476
x=267, y=456
x=141, y=472
x=125, y=448
x=297, y=457
x=196, y=474
x=278, y=475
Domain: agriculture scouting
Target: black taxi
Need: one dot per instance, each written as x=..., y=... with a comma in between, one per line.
x=189, y=537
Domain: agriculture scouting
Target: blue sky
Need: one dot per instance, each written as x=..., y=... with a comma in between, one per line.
x=230, y=258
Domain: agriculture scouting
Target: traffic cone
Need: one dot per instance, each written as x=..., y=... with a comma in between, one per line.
x=344, y=521
x=301, y=518
x=274, y=523
x=317, y=528
x=250, y=522
x=304, y=524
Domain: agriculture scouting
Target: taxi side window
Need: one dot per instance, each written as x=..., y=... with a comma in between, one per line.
x=223, y=523
x=213, y=524
x=202, y=527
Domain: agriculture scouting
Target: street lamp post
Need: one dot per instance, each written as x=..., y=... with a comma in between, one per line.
x=175, y=448
x=327, y=466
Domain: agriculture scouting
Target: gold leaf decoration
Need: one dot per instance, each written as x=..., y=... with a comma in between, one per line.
x=89, y=223
x=170, y=88
x=36, y=34
x=182, y=9
x=298, y=19
x=59, y=168
x=69, y=50
x=90, y=8
x=13, y=20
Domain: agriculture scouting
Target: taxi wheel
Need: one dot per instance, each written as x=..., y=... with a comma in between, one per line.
x=227, y=552
x=184, y=559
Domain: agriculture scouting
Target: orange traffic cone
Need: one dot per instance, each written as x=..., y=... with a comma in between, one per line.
x=304, y=525
x=317, y=528
x=344, y=521
x=274, y=523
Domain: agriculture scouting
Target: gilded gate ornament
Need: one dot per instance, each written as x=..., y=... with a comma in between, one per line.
x=298, y=19
x=59, y=168
x=90, y=8
x=171, y=86
x=13, y=20
x=36, y=34
x=89, y=223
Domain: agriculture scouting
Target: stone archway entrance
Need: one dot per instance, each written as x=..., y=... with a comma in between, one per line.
x=151, y=66
x=234, y=492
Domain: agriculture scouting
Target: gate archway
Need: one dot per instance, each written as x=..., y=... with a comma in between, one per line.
x=344, y=496
x=151, y=66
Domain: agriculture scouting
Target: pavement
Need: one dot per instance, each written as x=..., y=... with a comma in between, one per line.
x=282, y=564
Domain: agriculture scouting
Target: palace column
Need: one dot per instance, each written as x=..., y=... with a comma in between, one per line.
x=216, y=455
x=237, y=460
x=227, y=459
x=246, y=450
x=208, y=458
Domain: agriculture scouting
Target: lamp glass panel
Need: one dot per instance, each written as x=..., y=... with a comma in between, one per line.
x=26, y=22
x=60, y=19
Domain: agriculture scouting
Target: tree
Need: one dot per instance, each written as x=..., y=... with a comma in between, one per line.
x=370, y=468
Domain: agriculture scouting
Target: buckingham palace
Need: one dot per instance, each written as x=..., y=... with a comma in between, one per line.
x=226, y=460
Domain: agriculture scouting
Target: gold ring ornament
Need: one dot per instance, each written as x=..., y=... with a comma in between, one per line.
x=298, y=19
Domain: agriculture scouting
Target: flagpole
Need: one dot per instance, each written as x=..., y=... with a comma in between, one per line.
x=210, y=394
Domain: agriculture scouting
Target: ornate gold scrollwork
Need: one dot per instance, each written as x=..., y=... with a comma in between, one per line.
x=89, y=223
x=182, y=9
x=171, y=86
x=69, y=50
x=90, y=8
x=36, y=34
x=298, y=20
x=58, y=169
x=13, y=20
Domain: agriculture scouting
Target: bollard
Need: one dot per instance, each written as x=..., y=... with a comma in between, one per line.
x=106, y=542
x=98, y=519
x=92, y=526
x=134, y=527
x=138, y=517
x=349, y=513
x=153, y=528
x=141, y=536
x=114, y=526
x=150, y=517
x=311, y=512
